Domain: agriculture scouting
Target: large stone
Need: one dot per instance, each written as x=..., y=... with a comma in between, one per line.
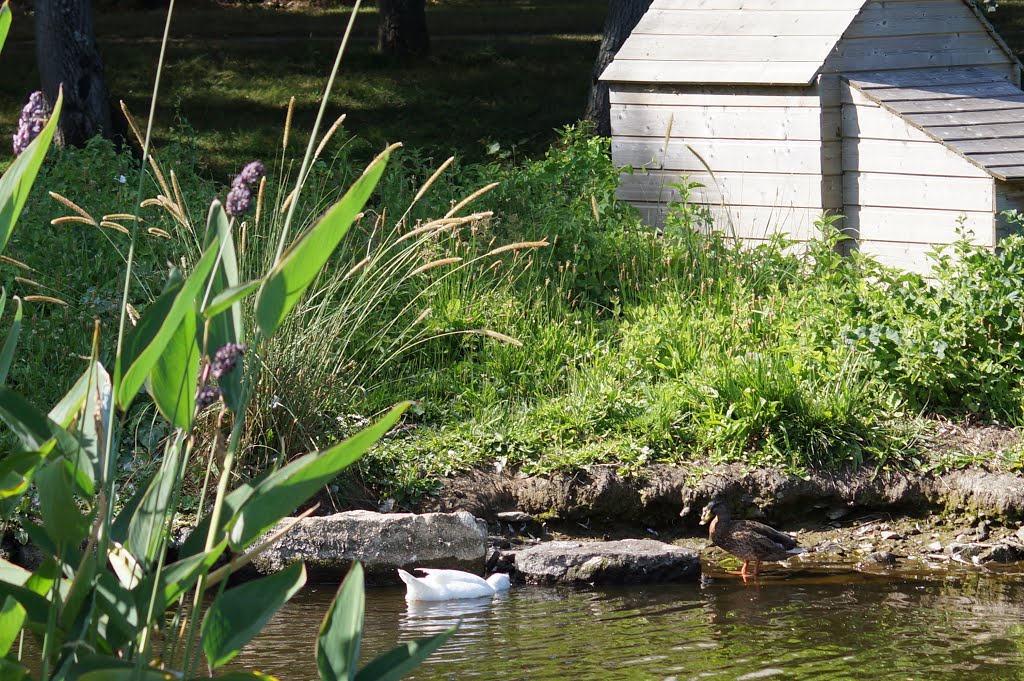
x=382, y=542
x=628, y=561
x=1005, y=552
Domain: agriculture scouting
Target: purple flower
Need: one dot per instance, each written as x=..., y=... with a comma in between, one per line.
x=239, y=201
x=251, y=174
x=225, y=359
x=207, y=396
x=30, y=124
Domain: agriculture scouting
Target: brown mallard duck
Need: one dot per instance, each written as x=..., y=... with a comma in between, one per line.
x=746, y=539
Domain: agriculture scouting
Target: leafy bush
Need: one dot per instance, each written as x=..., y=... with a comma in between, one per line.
x=953, y=344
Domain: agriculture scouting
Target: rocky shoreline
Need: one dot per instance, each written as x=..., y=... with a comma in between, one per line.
x=854, y=520
x=598, y=526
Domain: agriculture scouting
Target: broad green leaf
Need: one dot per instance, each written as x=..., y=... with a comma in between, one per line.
x=172, y=383
x=281, y=492
x=119, y=529
x=16, y=472
x=85, y=410
x=37, y=432
x=12, y=616
x=13, y=574
x=157, y=326
x=337, y=647
x=177, y=578
x=147, y=525
x=5, y=23
x=402, y=659
x=12, y=671
x=119, y=606
x=16, y=183
x=7, y=353
x=195, y=543
x=28, y=595
x=66, y=412
x=147, y=330
x=300, y=264
x=218, y=228
x=79, y=470
x=124, y=565
x=225, y=326
x=229, y=297
x=61, y=519
x=36, y=606
x=80, y=593
x=44, y=577
x=181, y=576
x=238, y=614
x=32, y=428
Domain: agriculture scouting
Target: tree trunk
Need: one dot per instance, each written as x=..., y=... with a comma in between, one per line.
x=623, y=16
x=402, y=31
x=67, y=55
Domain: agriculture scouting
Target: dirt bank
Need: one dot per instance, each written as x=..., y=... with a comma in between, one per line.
x=666, y=497
x=852, y=520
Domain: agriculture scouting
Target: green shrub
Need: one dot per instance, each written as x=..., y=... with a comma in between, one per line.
x=954, y=344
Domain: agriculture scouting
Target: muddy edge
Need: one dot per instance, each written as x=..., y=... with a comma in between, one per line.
x=862, y=516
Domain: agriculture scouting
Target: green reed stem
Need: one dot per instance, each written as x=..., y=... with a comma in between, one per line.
x=311, y=144
x=108, y=444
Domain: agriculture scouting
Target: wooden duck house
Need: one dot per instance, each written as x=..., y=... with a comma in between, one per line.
x=905, y=116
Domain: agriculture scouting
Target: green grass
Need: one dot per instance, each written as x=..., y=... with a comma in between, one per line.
x=592, y=340
x=630, y=347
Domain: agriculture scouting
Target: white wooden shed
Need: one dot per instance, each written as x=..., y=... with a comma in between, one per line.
x=903, y=115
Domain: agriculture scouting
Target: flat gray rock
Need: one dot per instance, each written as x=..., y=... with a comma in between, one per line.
x=382, y=542
x=627, y=561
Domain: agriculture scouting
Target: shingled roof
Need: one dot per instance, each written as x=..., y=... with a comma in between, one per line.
x=973, y=111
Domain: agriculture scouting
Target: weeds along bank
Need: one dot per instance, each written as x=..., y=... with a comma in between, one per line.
x=548, y=329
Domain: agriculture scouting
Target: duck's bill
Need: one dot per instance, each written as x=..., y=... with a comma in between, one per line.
x=705, y=517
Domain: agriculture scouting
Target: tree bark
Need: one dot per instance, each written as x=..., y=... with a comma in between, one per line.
x=622, y=18
x=67, y=55
x=402, y=31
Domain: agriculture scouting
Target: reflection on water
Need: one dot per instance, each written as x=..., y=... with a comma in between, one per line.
x=794, y=624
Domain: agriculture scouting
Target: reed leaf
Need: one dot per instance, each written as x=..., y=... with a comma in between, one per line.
x=300, y=264
x=5, y=22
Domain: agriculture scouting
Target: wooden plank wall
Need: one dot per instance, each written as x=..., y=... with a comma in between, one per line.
x=904, y=191
x=890, y=35
x=762, y=144
x=777, y=154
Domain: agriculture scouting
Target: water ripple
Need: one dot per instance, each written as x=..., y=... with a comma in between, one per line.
x=800, y=626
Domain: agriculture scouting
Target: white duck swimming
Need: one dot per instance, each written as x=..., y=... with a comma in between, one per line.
x=445, y=585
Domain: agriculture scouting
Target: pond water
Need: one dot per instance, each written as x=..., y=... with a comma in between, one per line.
x=796, y=623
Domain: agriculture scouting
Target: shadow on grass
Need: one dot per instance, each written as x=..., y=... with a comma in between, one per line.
x=513, y=89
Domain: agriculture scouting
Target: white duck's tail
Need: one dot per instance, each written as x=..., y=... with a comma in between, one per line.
x=499, y=581
x=414, y=589
x=795, y=551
